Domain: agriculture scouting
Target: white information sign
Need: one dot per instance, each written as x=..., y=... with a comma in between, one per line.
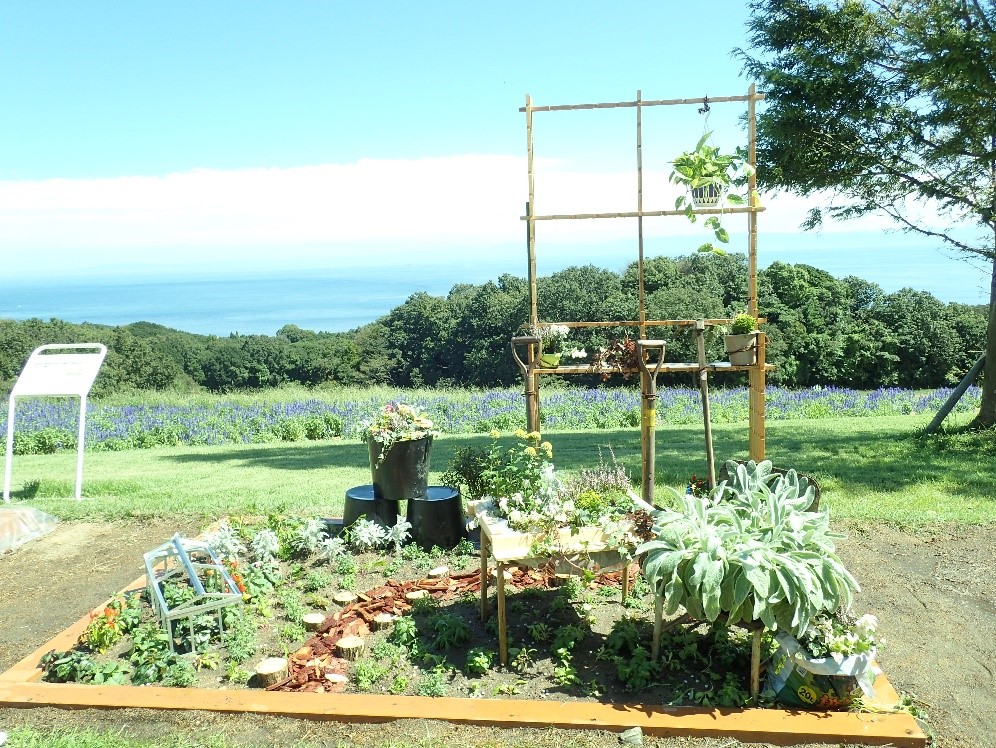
x=56, y=370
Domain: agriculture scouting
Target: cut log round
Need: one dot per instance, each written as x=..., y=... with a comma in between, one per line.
x=345, y=597
x=439, y=572
x=383, y=621
x=350, y=647
x=312, y=621
x=416, y=595
x=336, y=678
x=271, y=670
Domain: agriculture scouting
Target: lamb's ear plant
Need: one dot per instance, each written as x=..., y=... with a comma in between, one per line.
x=750, y=552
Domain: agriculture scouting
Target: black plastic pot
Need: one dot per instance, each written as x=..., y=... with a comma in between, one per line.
x=404, y=471
x=361, y=502
x=437, y=519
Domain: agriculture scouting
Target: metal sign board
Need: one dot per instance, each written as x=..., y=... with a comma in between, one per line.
x=56, y=370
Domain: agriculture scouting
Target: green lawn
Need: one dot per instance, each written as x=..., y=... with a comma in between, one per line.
x=878, y=469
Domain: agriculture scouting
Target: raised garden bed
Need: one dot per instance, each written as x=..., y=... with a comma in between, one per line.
x=394, y=679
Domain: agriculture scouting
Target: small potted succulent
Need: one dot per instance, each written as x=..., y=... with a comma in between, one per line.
x=741, y=343
x=399, y=437
x=708, y=178
x=551, y=345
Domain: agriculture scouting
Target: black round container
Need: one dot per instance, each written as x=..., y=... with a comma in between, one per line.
x=404, y=471
x=437, y=519
x=361, y=502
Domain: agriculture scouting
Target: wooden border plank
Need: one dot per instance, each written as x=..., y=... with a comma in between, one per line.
x=20, y=687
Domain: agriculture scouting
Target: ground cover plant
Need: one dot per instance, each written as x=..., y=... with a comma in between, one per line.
x=296, y=414
x=570, y=638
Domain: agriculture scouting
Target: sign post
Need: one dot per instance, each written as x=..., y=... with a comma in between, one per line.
x=56, y=370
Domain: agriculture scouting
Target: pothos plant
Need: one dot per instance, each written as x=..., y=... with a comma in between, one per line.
x=705, y=169
x=751, y=552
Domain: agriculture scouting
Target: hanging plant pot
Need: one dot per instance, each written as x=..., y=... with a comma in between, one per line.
x=549, y=360
x=742, y=349
x=402, y=471
x=707, y=196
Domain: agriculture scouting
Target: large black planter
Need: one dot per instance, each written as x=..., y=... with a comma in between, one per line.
x=361, y=502
x=404, y=471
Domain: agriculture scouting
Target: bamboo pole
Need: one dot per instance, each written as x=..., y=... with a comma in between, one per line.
x=639, y=209
x=530, y=208
x=756, y=406
x=657, y=102
x=650, y=323
x=752, y=203
x=645, y=214
x=703, y=375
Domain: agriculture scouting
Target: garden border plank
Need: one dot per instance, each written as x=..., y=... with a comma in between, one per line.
x=20, y=686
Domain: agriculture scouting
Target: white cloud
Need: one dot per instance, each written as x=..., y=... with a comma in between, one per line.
x=462, y=201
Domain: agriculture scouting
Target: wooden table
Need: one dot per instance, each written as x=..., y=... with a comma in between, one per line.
x=511, y=548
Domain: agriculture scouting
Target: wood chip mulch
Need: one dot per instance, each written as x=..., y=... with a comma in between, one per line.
x=310, y=666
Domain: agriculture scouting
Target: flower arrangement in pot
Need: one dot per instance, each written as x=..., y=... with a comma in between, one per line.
x=399, y=438
x=551, y=345
x=741, y=343
x=708, y=178
x=518, y=484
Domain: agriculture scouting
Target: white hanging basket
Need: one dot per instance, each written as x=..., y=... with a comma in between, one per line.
x=707, y=196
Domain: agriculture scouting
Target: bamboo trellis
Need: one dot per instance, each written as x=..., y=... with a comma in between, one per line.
x=651, y=352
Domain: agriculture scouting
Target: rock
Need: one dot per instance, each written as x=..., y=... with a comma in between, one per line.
x=632, y=736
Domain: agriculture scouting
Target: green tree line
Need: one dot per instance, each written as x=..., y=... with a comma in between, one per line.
x=821, y=331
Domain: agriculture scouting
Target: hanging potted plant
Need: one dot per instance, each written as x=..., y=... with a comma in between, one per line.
x=551, y=345
x=399, y=438
x=708, y=178
x=741, y=343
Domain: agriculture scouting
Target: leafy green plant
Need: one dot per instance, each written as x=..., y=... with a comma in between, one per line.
x=399, y=685
x=743, y=324
x=755, y=556
x=179, y=673
x=433, y=683
x=479, y=661
x=77, y=666
x=368, y=671
x=405, y=634
x=150, y=654
x=237, y=675
x=705, y=170
x=290, y=600
x=450, y=629
x=636, y=670
x=566, y=637
x=240, y=639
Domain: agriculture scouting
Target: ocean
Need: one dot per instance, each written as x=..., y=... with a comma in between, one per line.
x=262, y=300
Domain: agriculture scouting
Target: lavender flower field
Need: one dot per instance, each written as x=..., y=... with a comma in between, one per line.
x=49, y=425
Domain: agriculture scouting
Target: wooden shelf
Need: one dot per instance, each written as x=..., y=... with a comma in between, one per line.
x=674, y=368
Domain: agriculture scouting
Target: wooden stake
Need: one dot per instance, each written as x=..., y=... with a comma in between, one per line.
x=350, y=648
x=704, y=390
x=271, y=670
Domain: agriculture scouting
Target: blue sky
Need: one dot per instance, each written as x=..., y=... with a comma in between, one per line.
x=180, y=135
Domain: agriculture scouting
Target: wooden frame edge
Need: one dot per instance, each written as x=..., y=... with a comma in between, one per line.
x=20, y=687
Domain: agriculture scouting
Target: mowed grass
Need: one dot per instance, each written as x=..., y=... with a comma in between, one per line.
x=877, y=469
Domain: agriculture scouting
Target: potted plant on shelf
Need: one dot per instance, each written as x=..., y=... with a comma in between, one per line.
x=620, y=355
x=741, y=343
x=551, y=346
x=399, y=438
x=708, y=178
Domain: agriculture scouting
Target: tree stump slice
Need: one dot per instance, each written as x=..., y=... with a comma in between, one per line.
x=271, y=670
x=383, y=621
x=336, y=678
x=350, y=647
x=416, y=595
x=313, y=621
x=439, y=572
x=345, y=597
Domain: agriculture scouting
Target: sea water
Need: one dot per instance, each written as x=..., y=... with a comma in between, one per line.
x=262, y=300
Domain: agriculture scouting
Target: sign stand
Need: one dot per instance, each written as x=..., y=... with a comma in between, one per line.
x=56, y=370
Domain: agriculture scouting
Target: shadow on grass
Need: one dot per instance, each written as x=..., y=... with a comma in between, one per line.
x=860, y=455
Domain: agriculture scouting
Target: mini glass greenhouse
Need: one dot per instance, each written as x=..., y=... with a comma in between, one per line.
x=186, y=580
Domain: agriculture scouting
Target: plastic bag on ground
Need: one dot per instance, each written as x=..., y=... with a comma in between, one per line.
x=20, y=524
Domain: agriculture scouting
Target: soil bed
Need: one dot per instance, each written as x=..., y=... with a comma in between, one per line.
x=899, y=573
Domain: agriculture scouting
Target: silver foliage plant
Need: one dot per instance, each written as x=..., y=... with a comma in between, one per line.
x=750, y=551
x=307, y=539
x=226, y=542
x=264, y=546
x=366, y=535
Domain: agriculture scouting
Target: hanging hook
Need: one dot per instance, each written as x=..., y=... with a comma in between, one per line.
x=704, y=109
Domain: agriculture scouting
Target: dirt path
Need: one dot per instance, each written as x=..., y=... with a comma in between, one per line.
x=934, y=597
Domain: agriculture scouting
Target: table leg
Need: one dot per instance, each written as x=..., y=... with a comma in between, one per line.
x=485, y=552
x=502, y=624
x=755, y=666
